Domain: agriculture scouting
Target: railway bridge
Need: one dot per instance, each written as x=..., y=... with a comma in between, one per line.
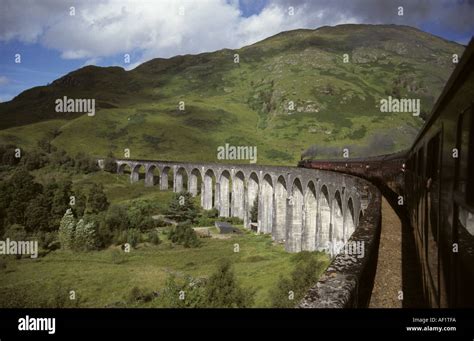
x=303, y=208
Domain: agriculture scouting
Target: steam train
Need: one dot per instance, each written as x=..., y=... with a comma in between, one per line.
x=436, y=179
x=439, y=190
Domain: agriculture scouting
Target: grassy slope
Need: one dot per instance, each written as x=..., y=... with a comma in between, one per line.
x=99, y=281
x=246, y=104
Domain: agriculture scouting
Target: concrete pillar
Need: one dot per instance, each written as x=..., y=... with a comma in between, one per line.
x=164, y=180
x=206, y=192
x=324, y=221
x=337, y=224
x=310, y=216
x=296, y=205
x=224, y=187
x=267, y=205
x=149, y=177
x=193, y=184
x=252, y=193
x=135, y=175
x=178, y=182
x=349, y=221
x=281, y=197
x=246, y=210
x=238, y=195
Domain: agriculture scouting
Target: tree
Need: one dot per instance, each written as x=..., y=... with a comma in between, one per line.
x=62, y=192
x=37, y=215
x=223, y=291
x=79, y=206
x=34, y=159
x=305, y=274
x=109, y=164
x=254, y=211
x=66, y=230
x=22, y=189
x=84, y=236
x=97, y=200
x=182, y=208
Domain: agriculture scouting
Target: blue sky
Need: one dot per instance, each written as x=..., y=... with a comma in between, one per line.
x=53, y=42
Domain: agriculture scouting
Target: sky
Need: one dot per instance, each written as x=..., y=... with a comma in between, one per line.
x=43, y=40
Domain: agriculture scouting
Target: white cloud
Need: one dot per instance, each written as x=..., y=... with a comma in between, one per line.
x=103, y=28
x=154, y=28
x=4, y=80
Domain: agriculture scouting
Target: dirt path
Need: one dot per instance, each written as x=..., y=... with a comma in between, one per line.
x=388, y=279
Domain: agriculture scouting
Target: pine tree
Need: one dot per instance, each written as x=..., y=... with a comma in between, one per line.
x=66, y=230
x=182, y=208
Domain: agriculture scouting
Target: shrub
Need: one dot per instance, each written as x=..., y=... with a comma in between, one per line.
x=306, y=273
x=184, y=234
x=153, y=237
x=187, y=292
x=97, y=200
x=133, y=237
x=223, y=291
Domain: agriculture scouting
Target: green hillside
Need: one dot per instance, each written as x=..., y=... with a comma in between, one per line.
x=247, y=103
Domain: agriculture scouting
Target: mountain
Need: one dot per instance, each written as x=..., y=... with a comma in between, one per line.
x=288, y=93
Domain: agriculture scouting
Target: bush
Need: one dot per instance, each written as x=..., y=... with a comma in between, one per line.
x=153, y=237
x=48, y=240
x=109, y=164
x=306, y=273
x=187, y=292
x=120, y=237
x=133, y=237
x=223, y=291
x=184, y=234
x=97, y=200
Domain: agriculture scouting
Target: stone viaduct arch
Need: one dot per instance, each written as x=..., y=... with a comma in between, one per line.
x=305, y=209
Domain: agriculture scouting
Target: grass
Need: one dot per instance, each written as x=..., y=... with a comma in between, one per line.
x=99, y=280
x=105, y=278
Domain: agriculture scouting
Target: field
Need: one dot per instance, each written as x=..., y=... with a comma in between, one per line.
x=105, y=278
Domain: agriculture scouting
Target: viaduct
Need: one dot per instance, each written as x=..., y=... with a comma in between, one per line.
x=303, y=208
